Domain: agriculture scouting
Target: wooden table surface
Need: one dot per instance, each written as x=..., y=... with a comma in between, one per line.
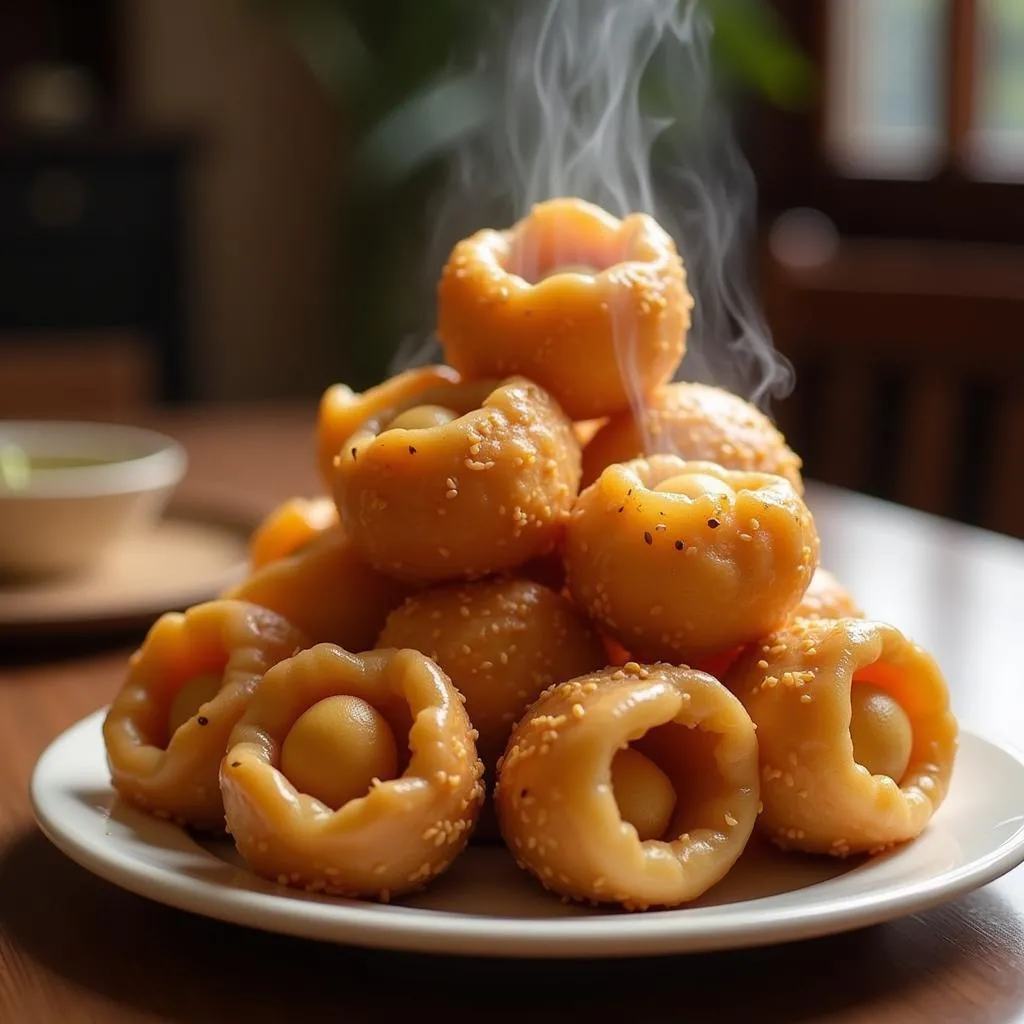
x=74, y=948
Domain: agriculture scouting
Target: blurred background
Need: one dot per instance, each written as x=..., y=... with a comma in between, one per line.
x=230, y=200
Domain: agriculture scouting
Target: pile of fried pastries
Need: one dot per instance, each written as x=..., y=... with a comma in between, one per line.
x=550, y=597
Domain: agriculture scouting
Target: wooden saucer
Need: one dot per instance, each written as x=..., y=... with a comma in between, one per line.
x=188, y=557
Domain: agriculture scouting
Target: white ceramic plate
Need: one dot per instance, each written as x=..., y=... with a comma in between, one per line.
x=485, y=906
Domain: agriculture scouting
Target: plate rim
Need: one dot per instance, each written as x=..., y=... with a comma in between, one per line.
x=395, y=927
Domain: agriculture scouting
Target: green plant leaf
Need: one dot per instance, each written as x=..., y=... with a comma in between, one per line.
x=429, y=123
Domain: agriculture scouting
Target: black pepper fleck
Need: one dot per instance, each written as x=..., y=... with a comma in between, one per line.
x=412, y=451
x=648, y=539
x=236, y=764
x=629, y=492
x=713, y=524
x=680, y=545
x=203, y=720
x=353, y=453
x=622, y=508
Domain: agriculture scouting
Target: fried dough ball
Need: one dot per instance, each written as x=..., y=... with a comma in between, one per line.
x=644, y=793
x=289, y=528
x=337, y=748
x=327, y=591
x=856, y=735
x=375, y=835
x=485, y=492
x=560, y=298
x=685, y=561
x=827, y=598
x=343, y=410
x=693, y=761
x=501, y=642
x=696, y=422
x=187, y=686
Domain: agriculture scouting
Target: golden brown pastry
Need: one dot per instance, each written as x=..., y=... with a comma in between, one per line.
x=358, y=833
x=696, y=422
x=501, y=642
x=289, y=527
x=187, y=686
x=684, y=561
x=486, y=491
x=635, y=785
x=827, y=598
x=343, y=410
x=856, y=735
x=327, y=591
x=567, y=297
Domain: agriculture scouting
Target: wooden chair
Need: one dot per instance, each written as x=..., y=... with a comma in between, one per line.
x=910, y=372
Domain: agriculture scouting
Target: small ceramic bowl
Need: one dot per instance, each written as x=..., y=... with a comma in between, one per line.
x=68, y=491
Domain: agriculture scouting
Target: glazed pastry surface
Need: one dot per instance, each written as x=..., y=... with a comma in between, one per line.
x=699, y=423
x=164, y=752
x=556, y=797
x=485, y=492
x=326, y=590
x=684, y=561
x=403, y=831
x=592, y=308
x=501, y=642
x=799, y=687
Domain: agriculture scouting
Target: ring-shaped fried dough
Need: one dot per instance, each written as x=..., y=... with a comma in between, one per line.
x=501, y=642
x=486, y=492
x=826, y=598
x=560, y=298
x=797, y=688
x=699, y=423
x=327, y=591
x=342, y=410
x=556, y=805
x=175, y=776
x=290, y=527
x=683, y=561
x=404, y=831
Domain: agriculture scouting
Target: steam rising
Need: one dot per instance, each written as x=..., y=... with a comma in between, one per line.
x=613, y=101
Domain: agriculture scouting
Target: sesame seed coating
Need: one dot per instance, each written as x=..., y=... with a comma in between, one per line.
x=797, y=687
x=503, y=505
x=724, y=592
x=404, y=831
x=504, y=306
x=699, y=423
x=555, y=799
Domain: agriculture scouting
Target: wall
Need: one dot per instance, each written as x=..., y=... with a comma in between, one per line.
x=262, y=186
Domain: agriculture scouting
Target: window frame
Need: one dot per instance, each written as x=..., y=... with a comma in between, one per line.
x=789, y=153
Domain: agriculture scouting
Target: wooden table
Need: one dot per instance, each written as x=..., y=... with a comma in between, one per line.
x=73, y=948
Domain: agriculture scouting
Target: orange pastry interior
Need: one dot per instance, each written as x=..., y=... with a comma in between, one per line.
x=187, y=685
x=342, y=410
x=290, y=527
x=857, y=741
x=592, y=308
x=353, y=774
